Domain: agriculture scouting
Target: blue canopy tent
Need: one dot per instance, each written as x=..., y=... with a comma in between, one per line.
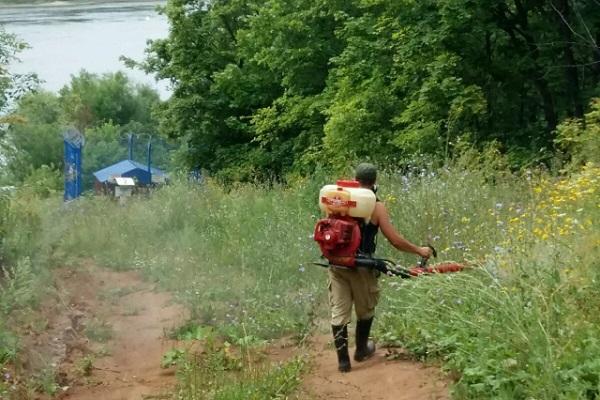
x=142, y=175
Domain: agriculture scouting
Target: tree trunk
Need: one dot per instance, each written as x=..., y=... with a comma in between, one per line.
x=518, y=24
x=572, y=79
x=596, y=57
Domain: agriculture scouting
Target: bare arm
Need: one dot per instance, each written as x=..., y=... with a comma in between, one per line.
x=382, y=218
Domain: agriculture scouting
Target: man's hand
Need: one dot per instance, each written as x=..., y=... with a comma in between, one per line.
x=425, y=252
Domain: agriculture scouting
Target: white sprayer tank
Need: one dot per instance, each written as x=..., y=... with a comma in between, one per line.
x=347, y=198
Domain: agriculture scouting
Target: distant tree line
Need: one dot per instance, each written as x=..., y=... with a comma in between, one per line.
x=106, y=109
x=262, y=88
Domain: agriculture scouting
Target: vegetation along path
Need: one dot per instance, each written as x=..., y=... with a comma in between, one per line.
x=115, y=335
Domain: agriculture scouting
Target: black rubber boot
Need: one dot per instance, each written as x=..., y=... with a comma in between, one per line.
x=365, y=348
x=340, y=338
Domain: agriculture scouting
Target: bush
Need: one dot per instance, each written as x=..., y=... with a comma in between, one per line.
x=580, y=138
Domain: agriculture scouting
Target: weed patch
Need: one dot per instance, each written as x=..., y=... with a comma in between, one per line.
x=226, y=373
x=99, y=331
x=522, y=323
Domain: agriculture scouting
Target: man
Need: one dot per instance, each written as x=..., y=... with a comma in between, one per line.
x=359, y=285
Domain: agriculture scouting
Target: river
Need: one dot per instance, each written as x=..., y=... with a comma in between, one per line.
x=66, y=37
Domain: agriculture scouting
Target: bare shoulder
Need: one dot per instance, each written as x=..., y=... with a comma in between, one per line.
x=378, y=213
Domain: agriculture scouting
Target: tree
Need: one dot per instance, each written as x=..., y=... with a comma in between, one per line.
x=90, y=100
x=105, y=108
x=262, y=88
x=12, y=86
x=34, y=138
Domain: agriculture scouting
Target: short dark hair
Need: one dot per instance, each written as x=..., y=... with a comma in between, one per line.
x=366, y=173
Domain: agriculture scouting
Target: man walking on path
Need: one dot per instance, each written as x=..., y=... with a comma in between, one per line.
x=359, y=286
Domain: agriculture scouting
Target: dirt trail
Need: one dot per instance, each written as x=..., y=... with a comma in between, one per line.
x=131, y=318
x=111, y=337
x=374, y=379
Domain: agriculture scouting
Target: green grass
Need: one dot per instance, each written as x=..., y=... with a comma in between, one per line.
x=521, y=324
x=226, y=372
x=98, y=331
x=233, y=258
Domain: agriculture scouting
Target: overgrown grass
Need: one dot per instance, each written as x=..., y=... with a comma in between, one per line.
x=24, y=277
x=521, y=324
x=226, y=372
x=236, y=258
x=524, y=325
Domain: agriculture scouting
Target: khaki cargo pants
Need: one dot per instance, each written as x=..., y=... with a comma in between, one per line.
x=348, y=286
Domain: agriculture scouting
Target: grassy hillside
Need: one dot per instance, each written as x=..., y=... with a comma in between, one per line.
x=239, y=259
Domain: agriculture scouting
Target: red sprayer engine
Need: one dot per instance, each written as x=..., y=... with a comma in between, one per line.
x=339, y=239
x=338, y=235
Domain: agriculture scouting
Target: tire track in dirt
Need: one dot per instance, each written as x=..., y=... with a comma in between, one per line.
x=136, y=317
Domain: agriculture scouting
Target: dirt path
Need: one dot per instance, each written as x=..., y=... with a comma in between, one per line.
x=116, y=339
x=375, y=379
x=109, y=338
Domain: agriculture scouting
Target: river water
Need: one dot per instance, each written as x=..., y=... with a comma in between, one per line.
x=65, y=37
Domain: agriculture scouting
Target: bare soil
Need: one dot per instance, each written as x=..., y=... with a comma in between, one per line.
x=116, y=336
x=379, y=378
x=108, y=336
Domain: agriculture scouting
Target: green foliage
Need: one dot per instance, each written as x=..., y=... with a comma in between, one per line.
x=529, y=302
x=192, y=331
x=268, y=228
x=172, y=358
x=99, y=331
x=580, y=138
x=12, y=86
x=85, y=365
x=34, y=139
x=42, y=182
x=8, y=346
x=264, y=89
x=220, y=373
x=90, y=100
x=4, y=207
x=23, y=262
x=104, y=108
x=501, y=325
x=18, y=287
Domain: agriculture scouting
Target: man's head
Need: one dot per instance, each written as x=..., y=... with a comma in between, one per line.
x=366, y=174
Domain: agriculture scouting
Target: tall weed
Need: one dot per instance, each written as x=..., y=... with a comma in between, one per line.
x=520, y=324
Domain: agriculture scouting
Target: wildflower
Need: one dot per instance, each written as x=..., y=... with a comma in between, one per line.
x=459, y=245
x=301, y=269
x=499, y=206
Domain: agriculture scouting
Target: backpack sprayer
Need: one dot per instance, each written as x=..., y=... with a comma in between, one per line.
x=339, y=234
